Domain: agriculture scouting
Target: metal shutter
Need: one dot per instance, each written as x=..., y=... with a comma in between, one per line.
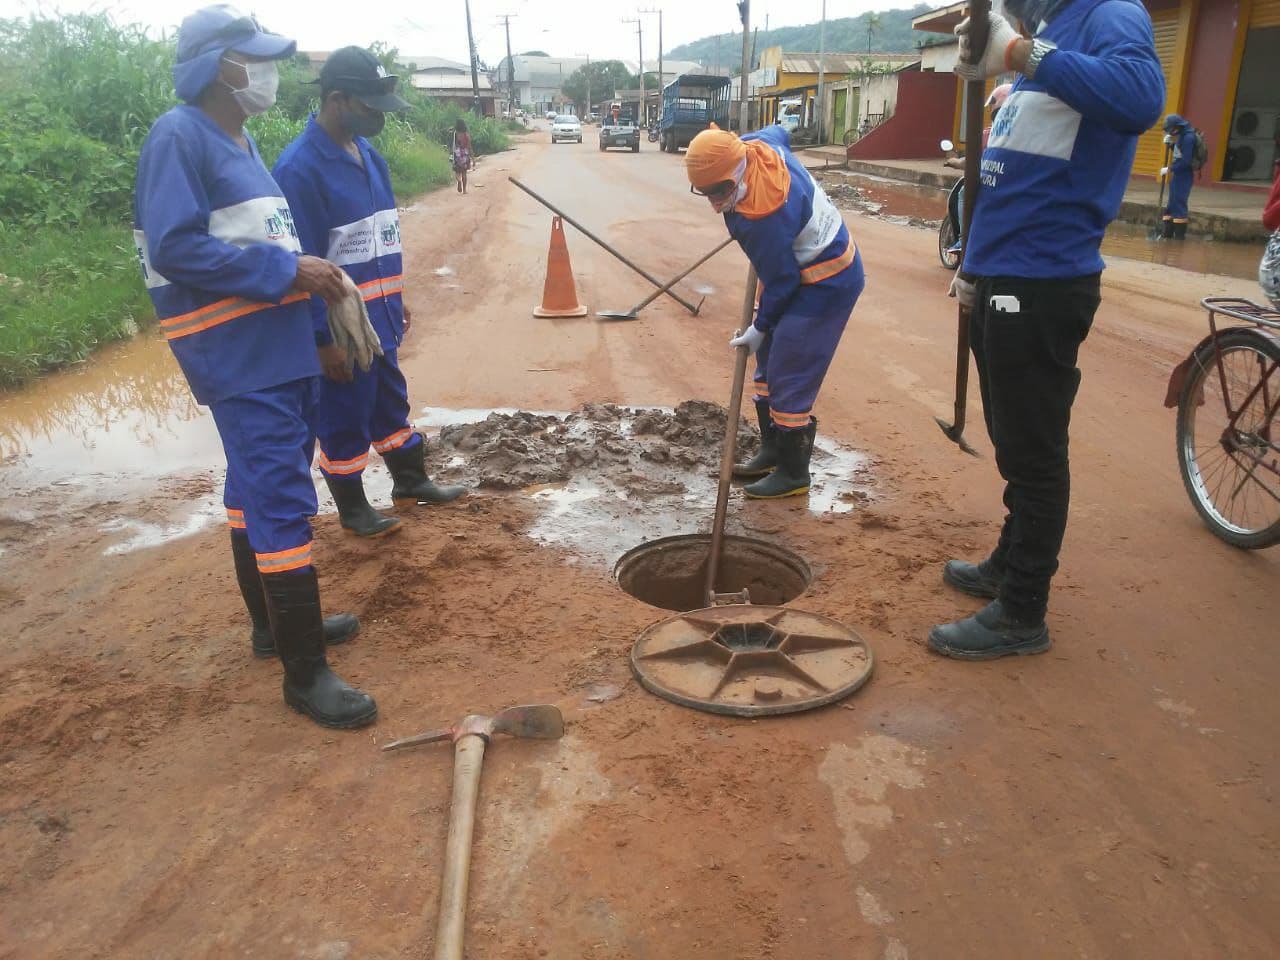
x=1150, y=155
x=1266, y=13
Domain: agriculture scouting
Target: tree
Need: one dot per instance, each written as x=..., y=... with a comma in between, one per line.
x=534, y=53
x=873, y=27
x=605, y=76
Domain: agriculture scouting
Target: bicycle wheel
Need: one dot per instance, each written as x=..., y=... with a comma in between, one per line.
x=946, y=240
x=1238, y=498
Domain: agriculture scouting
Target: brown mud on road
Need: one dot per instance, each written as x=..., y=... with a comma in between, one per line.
x=1113, y=798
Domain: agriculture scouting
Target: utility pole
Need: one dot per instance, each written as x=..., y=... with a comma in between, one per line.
x=744, y=112
x=511, y=66
x=822, y=56
x=475, y=80
x=640, y=120
x=662, y=80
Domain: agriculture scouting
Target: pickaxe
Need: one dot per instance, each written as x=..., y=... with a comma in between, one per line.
x=470, y=735
x=634, y=312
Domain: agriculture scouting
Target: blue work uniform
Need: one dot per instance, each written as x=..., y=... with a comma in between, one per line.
x=1181, y=173
x=219, y=256
x=811, y=274
x=345, y=211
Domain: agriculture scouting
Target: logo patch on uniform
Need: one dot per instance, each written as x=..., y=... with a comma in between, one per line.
x=391, y=235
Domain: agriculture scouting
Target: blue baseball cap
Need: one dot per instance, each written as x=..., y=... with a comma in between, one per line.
x=206, y=35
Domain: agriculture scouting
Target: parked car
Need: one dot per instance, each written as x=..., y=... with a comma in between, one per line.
x=566, y=127
x=551, y=115
x=622, y=132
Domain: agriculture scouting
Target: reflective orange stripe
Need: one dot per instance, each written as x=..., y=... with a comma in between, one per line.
x=217, y=313
x=789, y=419
x=354, y=465
x=396, y=440
x=762, y=389
x=285, y=560
x=235, y=519
x=817, y=272
x=382, y=287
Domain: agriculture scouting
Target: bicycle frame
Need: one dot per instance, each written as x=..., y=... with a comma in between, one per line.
x=1261, y=320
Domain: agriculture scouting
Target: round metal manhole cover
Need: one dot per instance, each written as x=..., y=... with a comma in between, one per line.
x=749, y=661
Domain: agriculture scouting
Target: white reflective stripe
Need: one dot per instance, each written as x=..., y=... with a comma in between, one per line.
x=821, y=230
x=1036, y=123
x=260, y=220
x=363, y=240
x=149, y=274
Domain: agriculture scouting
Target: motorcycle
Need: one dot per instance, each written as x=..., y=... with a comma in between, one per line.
x=653, y=133
x=949, y=228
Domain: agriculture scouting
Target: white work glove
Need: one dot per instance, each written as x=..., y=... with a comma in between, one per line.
x=751, y=339
x=964, y=291
x=1164, y=172
x=350, y=328
x=993, y=58
x=1168, y=138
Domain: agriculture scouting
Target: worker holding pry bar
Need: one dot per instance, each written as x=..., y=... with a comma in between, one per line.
x=811, y=275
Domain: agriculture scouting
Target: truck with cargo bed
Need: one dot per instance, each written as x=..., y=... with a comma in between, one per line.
x=690, y=104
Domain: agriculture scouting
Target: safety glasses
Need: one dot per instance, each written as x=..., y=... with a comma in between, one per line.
x=716, y=191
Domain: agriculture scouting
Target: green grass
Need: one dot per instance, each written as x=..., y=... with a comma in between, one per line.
x=65, y=291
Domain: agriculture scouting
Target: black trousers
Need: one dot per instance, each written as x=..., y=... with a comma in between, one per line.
x=1026, y=357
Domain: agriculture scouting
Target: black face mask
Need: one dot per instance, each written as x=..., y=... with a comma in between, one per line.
x=363, y=124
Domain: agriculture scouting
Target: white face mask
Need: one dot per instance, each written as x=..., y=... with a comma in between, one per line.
x=260, y=91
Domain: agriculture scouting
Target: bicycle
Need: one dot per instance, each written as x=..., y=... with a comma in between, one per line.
x=949, y=228
x=1227, y=392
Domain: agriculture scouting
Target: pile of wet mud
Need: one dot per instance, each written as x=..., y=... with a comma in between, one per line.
x=642, y=450
x=903, y=203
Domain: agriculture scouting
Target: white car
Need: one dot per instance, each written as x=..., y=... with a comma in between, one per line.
x=551, y=114
x=566, y=127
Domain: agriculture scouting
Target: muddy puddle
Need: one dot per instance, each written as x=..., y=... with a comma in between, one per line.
x=923, y=206
x=608, y=477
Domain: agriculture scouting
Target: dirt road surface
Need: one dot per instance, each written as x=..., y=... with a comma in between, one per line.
x=1114, y=798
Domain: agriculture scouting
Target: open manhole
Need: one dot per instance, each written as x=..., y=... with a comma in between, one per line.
x=750, y=661
x=671, y=573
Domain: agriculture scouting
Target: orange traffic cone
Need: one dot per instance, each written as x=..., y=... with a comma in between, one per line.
x=559, y=297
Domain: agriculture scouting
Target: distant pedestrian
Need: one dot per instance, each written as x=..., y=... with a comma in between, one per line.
x=1269, y=268
x=231, y=285
x=1054, y=173
x=1180, y=138
x=461, y=152
x=339, y=189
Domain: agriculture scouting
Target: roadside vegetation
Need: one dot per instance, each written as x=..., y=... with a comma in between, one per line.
x=78, y=94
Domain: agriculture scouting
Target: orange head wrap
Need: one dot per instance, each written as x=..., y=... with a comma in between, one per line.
x=714, y=156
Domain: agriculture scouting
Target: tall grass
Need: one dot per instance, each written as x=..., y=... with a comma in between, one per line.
x=78, y=94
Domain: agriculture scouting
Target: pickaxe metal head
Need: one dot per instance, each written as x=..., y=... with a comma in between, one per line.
x=956, y=436
x=534, y=722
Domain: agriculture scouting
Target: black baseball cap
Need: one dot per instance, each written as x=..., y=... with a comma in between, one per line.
x=358, y=72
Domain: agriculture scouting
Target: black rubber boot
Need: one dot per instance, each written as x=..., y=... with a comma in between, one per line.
x=338, y=628
x=766, y=457
x=310, y=687
x=791, y=478
x=988, y=634
x=354, y=510
x=975, y=579
x=412, y=485
x=1166, y=230
x=1179, y=231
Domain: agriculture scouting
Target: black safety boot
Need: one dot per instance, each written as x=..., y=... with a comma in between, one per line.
x=975, y=579
x=988, y=634
x=766, y=457
x=354, y=510
x=310, y=687
x=338, y=628
x=791, y=477
x=1180, y=231
x=412, y=485
x=1166, y=230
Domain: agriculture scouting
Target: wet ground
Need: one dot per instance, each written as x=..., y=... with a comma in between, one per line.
x=924, y=206
x=156, y=799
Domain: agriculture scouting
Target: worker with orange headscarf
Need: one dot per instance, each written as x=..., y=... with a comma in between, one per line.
x=811, y=274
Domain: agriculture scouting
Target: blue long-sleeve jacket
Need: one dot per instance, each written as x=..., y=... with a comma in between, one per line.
x=1184, y=151
x=219, y=256
x=1061, y=148
x=802, y=244
x=345, y=212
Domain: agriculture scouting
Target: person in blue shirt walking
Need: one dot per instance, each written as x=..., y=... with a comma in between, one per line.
x=231, y=286
x=339, y=190
x=810, y=274
x=1180, y=137
x=1053, y=175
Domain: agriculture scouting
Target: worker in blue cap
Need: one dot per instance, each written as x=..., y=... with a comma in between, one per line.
x=1180, y=138
x=231, y=285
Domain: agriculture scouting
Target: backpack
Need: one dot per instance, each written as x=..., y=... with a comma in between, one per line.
x=1200, y=155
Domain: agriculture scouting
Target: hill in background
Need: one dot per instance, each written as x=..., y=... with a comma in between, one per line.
x=846, y=35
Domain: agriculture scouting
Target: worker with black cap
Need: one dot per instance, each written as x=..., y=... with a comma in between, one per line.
x=221, y=261
x=339, y=190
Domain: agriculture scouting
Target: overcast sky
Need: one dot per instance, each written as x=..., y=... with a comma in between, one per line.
x=438, y=27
